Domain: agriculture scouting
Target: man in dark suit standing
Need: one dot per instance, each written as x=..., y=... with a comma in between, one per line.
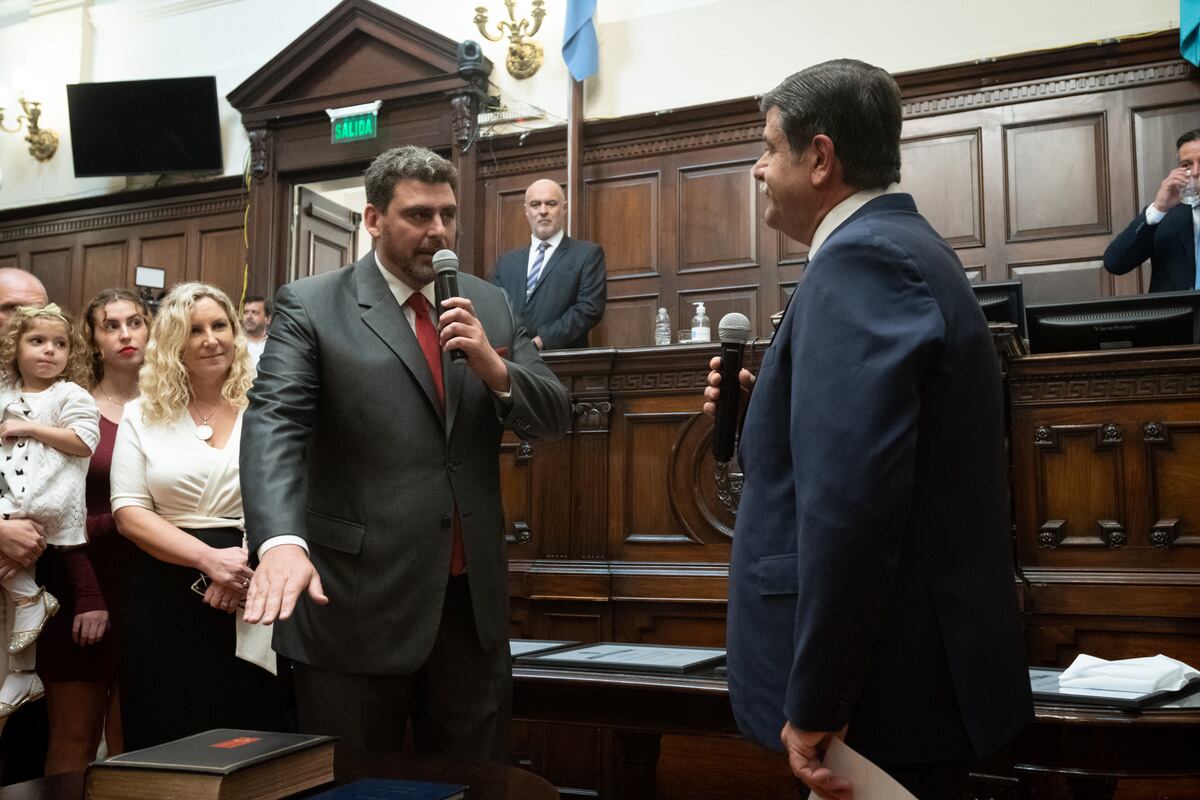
x=557, y=285
x=371, y=485
x=871, y=582
x=1165, y=232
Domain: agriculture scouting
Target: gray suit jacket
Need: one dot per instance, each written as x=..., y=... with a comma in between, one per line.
x=569, y=298
x=345, y=445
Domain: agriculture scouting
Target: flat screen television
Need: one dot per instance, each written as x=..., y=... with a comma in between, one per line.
x=1003, y=301
x=145, y=127
x=1146, y=320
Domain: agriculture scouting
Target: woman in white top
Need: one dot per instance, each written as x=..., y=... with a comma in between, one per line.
x=175, y=494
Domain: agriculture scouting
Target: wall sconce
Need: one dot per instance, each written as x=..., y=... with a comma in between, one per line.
x=43, y=143
x=524, y=57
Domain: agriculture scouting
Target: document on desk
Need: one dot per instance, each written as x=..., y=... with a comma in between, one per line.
x=869, y=781
x=633, y=657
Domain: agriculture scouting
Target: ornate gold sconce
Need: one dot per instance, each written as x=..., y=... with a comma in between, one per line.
x=43, y=143
x=524, y=56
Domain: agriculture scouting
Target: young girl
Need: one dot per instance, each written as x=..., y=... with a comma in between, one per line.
x=48, y=430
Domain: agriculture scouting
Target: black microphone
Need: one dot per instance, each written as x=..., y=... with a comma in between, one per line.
x=445, y=285
x=734, y=332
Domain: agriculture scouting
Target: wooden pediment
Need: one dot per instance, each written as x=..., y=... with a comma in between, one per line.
x=358, y=52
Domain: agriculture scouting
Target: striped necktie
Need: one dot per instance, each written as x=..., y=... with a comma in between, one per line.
x=535, y=271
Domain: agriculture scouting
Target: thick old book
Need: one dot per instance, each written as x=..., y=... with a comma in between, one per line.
x=222, y=764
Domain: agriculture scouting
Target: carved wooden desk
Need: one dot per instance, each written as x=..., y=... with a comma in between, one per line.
x=1093, y=746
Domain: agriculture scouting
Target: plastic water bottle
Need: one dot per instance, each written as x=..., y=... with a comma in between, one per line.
x=662, y=328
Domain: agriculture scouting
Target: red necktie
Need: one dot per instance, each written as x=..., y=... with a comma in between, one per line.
x=427, y=337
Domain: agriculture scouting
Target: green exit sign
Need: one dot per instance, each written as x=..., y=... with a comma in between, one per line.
x=351, y=129
x=354, y=123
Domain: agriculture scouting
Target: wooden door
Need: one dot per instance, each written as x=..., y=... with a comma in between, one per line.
x=326, y=234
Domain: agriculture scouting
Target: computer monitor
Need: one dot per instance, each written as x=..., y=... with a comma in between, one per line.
x=1003, y=301
x=1147, y=320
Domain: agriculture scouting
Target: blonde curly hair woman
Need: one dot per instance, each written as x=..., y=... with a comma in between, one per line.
x=176, y=495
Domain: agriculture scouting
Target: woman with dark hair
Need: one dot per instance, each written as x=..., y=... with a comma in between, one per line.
x=79, y=669
x=176, y=494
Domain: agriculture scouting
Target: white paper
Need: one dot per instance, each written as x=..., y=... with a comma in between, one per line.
x=868, y=782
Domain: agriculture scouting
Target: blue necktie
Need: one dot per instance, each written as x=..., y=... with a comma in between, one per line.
x=535, y=271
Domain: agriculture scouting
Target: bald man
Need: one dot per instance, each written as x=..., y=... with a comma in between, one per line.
x=557, y=285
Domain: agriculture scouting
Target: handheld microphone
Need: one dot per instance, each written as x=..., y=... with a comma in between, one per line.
x=734, y=332
x=445, y=285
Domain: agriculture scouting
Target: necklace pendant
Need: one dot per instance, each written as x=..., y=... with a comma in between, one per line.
x=204, y=432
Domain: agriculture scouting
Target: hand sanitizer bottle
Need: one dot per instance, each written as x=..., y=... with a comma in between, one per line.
x=701, y=330
x=662, y=328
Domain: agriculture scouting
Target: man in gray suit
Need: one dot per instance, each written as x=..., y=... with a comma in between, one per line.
x=557, y=285
x=371, y=485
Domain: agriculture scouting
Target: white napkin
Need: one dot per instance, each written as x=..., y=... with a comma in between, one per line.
x=1141, y=675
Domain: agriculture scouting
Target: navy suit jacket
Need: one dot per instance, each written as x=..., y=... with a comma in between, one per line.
x=569, y=298
x=1170, y=245
x=871, y=580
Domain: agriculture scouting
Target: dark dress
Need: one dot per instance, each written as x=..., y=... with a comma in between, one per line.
x=178, y=671
x=177, y=667
x=85, y=579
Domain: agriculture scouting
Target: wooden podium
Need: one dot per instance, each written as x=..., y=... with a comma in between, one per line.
x=617, y=533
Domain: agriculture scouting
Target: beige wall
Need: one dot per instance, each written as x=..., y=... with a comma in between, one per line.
x=655, y=54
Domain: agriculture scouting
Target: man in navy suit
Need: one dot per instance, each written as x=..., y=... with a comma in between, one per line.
x=557, y=285
x=871, y=585
x=1166, y=231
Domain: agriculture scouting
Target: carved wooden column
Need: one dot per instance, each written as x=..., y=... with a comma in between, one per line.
x=265, y=256
x=465, y=104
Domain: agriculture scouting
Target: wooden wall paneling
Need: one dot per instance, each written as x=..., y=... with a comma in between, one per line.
x=573, y=621
x=588, y=485
x=1056, y=174
x=976, y=273
x=552, y=483
x=168, y=252
x=647, y=447
x=574, y=758
x=717, y=217
x=10, y=261
x=718, y=302
x=685, y=624
x=53, y=268
x=104, y=265
x=943, y=174
x=1080, y=487
x=623, y=217
x=1172, y=521
x=516, y=497
x=1055, y=281
x=222, y=259
x=1108, y=631
x=1154, y=132
x=628, y=320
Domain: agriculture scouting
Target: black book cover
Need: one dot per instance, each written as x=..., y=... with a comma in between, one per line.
x=216, y=752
